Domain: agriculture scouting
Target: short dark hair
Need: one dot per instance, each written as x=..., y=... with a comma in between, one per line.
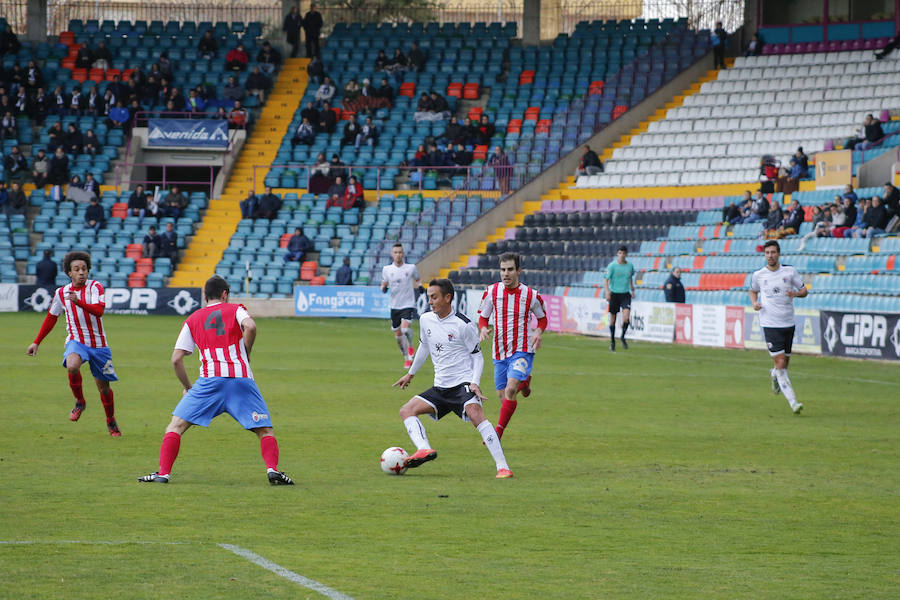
x=47, y=253
x=511, y=256
x=623, y=248
x=72, y=257
x=771, y=244
x=214, y=287
x=397, y=245
x=445, y=285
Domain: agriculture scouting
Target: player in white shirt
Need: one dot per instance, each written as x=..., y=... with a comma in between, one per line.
x=452, y=341
x=402, y=279
x=772, y=292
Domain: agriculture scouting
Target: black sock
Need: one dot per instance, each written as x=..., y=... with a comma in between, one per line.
x=612, y=329
x=625, y=328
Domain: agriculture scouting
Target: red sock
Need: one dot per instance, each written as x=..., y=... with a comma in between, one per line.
x=108, y=405
x=506, y=412
x=75, y=384
x=168, y=452
x=269, y=449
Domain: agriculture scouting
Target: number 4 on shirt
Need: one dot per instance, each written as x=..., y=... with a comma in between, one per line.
x=214, y=321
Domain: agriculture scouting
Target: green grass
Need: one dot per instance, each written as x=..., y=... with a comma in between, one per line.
x=663, y=471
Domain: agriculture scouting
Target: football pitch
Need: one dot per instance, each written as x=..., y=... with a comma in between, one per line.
x=657, y=472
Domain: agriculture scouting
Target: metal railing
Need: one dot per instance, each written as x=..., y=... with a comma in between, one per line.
x=500, y=180
x=164, y=181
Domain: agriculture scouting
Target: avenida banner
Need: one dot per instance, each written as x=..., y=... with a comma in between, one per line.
x=192, y=133
x=127, y=301
x=861, y=334
x=340, y=301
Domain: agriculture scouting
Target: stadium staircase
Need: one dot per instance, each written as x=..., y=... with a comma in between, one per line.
x=566, y=190
x=224, y=214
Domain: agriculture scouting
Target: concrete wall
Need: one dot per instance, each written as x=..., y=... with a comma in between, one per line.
x=879, y=170
x=478, y=231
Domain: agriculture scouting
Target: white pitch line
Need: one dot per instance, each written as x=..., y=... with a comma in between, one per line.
x=287, y=574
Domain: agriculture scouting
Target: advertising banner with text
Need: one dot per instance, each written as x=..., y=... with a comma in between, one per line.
x=807, y=338
x=126, y=301
x=861, y=334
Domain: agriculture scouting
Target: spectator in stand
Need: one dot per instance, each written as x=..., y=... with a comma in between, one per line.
x=849, y=193
x=137, y=204
x=34, y=79
x=775, y=216
x=799, y=165
x=502, y=169
x=15, y=165
x=168, y=243
x=397, y=65
x=39, y=169
x=876, y=218
x=673, y=288
x=268, y=59
x=269, y=205
x=590, y=163
x=248, y=206
x=368, y=134
x=486, y=130
x=194, y=103
x=319, y=181
x=385, y=94
x=46, y=271
x=39, y=106
x=731, y=215
x=353, y=194
x=291, y=26
x=4, y=197
x=59, y=168
x=768, y=173
x=440, y=106
x=454, y=133
x=759, y=210
x=152, y=204
x=237, y=116
x=326, y=119
x=312, y=28
x=21, y=102
x=74, y=142
x=9, y=43
x=336, y=193
x=298, y=246
x=305, y=134
x=165, y=65
x=416, y=58
x=891, y=199
x=102, y=57
x=258, y=84
x=381, y=61
x=16, y=202
x=790, y=224
x=94, y=216
x=90, y=184
x=150, y=244
x=859, y=222
x=315, y=70
x=420, y=158
x=237, y=59
x=118, y=117
x=719, y=43
x=8, y=127
x=91, y=144
x=755, y=46
x=310, y=113
x=351, y=101
x=848, y=220
x=870, y=134
x=233, y=90
x=175, y=203
x=208, y=46
x=344, y=275
x=325, y=92
x=369, y=97
x=337, y=168
x=84, y=57
x=351, y=130
x=59, y=102
x=461, y=158
x=76, y=102
x=57, y=137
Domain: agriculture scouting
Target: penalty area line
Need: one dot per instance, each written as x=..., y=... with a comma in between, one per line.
x=286, y=573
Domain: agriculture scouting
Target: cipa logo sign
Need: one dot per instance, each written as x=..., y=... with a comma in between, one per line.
x=861, y=335
x=864, y=330
x=131, y=299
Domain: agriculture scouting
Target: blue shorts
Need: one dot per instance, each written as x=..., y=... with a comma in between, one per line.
x=212, y=396
x=100, y=359
x=518, y=366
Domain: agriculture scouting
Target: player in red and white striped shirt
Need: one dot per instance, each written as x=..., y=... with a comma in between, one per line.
x=511, y=304
x=83, y=302
x=224, y=334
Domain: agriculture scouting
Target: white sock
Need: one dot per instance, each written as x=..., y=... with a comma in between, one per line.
x=493, y=443
x=786, y=388
x=407, y=333
x=404, y=346
x=416, y=432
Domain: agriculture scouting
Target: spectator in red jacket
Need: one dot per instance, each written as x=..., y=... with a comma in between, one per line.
x=353, y=195
x=237, y=59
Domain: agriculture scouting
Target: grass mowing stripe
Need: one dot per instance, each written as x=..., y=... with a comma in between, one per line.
x=286, y=573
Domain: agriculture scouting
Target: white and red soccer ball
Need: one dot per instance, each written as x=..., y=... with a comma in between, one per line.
x=393, y=459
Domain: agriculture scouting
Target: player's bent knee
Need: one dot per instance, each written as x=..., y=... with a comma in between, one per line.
x=264, y=432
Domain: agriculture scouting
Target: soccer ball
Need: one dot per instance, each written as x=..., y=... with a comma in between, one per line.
x=392, y=461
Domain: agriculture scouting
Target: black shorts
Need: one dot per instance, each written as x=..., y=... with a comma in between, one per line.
x=779, y=339
x=447, y=400
x=401, y=314
x=619, y=302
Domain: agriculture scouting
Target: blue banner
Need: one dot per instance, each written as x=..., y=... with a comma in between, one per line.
x=188, y=133
x=340, y=301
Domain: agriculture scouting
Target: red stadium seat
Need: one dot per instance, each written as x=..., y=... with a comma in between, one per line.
x=285, y=238
x=137, y=280
x=143, y=266
x=134, y=251
x=470, y=91
x=119, y=210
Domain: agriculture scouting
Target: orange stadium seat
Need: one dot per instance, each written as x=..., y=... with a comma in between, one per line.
x=134, y=251
x=470, y=91
x=143, y=266
x=119, y=210
x=137, y=280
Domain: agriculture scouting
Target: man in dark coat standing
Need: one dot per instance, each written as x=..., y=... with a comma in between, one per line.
x=46, y=271
x=673, y=287
x=291, y=27
x=312, y=27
